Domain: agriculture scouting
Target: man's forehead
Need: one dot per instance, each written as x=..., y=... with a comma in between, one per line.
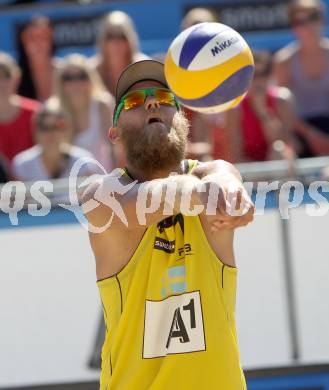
x=146, y=84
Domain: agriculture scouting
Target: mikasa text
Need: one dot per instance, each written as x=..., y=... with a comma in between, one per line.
x=224, y=45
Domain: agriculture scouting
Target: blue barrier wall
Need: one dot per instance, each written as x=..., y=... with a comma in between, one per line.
x=300, y=381
x=262, y=22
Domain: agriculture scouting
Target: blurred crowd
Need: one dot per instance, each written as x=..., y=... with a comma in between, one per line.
x=55, y=110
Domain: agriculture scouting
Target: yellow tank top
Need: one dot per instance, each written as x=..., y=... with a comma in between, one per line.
x=169, y=315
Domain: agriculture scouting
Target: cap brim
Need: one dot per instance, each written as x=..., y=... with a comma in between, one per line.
x=140, y=71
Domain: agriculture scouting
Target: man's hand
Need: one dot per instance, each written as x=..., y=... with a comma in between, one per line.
x=231, y=208
x=226, y=201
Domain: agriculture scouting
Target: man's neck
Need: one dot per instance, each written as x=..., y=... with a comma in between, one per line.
x=142, y=175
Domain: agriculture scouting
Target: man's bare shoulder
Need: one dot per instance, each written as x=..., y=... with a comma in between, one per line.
x=101, y=199
x=113, y=244
x=89, y=192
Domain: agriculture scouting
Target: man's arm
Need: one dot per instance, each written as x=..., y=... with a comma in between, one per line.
x=223, y=181
x=215, y=185
x=139, y=204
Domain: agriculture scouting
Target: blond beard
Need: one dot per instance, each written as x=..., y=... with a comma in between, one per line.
x=151, y=152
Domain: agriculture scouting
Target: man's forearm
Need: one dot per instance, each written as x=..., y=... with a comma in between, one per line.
x=145, y=203
x=132, y=204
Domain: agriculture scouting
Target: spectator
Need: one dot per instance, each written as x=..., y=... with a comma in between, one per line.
x=118, y=46
x=35, y=52
x=303, y=67
x=207, y=138
x=198, y=15
x=265, y=116
x=15, y=111
x=4, y=177
x=52, y=157
x=89, y=106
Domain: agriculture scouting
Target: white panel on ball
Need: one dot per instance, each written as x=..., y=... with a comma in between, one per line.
x=199, y=62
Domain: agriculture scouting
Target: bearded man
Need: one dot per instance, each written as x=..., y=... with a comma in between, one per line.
x=167, y=280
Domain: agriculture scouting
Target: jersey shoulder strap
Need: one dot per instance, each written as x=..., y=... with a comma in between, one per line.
x=188, y=165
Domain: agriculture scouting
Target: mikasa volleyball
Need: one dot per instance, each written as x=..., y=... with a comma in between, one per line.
x=209, y=67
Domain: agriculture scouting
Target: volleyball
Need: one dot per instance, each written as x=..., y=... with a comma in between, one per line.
x=209, y=67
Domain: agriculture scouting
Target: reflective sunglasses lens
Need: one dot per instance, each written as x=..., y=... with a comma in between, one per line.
x=134, y=99
x=49, y=129
x=75, y=77
x=164, y=97
x=306, y=19
x=113, y=36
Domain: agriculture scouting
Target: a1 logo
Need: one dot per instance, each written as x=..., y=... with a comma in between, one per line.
x=173, y=325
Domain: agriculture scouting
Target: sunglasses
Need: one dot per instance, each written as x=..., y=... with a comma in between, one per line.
x=49, y=129
x=305, y=20
x=110, y=36
x=138, y=97
x=56, y=125
x=75, y=77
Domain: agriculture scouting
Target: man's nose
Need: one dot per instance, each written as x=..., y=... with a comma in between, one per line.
x=151, y=103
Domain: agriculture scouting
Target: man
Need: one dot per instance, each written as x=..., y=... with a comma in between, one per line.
x=264, y=119
x=167, y=280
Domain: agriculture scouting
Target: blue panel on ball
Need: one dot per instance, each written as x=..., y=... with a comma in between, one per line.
x=232, y=87
x=201, y=35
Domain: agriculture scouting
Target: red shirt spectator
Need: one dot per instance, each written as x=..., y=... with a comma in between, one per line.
x=207, y=137
x=16, y=135
x=255, y=144
x=15, y=111
x=264, y=117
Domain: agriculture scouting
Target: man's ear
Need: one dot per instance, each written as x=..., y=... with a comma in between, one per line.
x=114, y=134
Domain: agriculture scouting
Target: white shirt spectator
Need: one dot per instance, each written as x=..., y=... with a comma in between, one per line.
x=28, y=165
